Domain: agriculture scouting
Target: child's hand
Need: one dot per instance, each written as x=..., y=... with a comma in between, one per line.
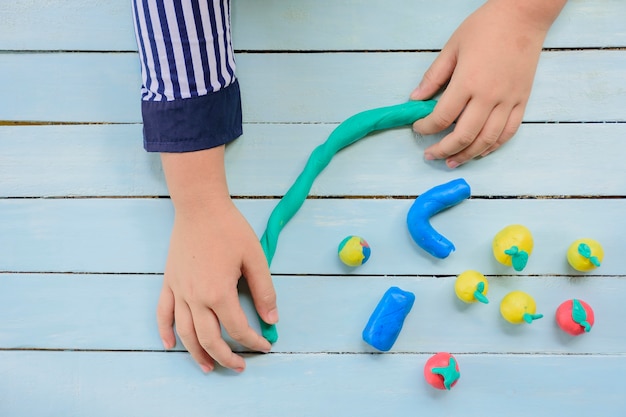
x=489, y=64
x=211, y=247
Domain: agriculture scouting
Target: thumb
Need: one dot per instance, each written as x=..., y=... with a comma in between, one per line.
x=257, y=274
x=436, y=76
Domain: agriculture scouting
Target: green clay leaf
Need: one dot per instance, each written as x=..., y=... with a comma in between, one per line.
x=479, y=293
x=519, y=260
x=529, y=318
x=579, y=315
x=584, y=250
x=481, y=298
x=449, y=373
x=513, y=250
x=594, y=260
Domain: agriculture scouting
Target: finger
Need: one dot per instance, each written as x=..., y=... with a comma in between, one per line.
x=259, y=279
x=187, y=333
x=467, y=128
x=235, y=322
x=446, y=111
x=210, y=339
x=436, y=76
x=165, y=317
x=510, y=129
x=487, y=138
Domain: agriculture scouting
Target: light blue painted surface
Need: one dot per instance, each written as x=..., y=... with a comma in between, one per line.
x=111, y=162
x=116, y=312
x=131, y=235
x=295, y=25
x=153, y=384
x=319, y=365
x=298, y=87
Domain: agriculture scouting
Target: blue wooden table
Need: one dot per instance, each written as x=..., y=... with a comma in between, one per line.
x=85, y=219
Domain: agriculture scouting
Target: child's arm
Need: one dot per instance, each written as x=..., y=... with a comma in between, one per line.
x=191, y=108
x=211, y=247
x=488, y=65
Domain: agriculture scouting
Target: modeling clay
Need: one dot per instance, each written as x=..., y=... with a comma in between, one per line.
x=513, y=245
x=385, y=323
x=518, y=307
x=575, y=317
x=354, y=251
x=471, y=286
x=348, y=132
x=585, y=254
x=427, y=205
x=442, y=371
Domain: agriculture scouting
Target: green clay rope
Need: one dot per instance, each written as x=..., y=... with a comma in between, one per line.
x=348, y=132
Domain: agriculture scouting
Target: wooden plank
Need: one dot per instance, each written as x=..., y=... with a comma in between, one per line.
x=77, y=160
x=381, y=79
x=131, y=235
x=106, y=384
x=299, y=87
x=108, y=160
x=274, y=25
x=72, y=25
x=71, y=87
x=401, y=25
x=116, y=312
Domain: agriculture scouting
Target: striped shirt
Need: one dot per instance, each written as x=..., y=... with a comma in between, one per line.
x=185, y=47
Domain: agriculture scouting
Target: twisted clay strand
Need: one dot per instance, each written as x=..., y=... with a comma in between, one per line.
x=348, y=132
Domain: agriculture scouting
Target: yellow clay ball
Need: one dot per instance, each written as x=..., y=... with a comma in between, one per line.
x=513, y=238
x=585, y=254
x=518, y=307
x=467, y=284
x=354, y=251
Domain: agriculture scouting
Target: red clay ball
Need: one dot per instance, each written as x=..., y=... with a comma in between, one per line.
x=565, y=319
x=441, y=360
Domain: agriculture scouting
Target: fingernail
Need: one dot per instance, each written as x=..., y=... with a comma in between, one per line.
x=452, y=164
x=416, y=92
x=238, y=370
x=166, y=345
x=267, y=347
x=206, y=368
x=272, y=316
x=416, y=127
x=429, y=157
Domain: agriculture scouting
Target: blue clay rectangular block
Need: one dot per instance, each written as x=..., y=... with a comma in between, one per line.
x=386, y=321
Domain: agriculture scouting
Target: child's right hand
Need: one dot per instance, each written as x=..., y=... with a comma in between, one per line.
x=212, y=246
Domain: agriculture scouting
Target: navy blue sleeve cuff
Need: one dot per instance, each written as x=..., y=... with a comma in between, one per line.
x=193, y=124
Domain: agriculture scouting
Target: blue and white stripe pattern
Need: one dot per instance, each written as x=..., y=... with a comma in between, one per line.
x=185, y=47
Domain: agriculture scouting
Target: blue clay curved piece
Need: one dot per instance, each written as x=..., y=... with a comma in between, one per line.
x=385, y=323
x=427, y=205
